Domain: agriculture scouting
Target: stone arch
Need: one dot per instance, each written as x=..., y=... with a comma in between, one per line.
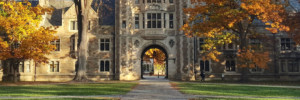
x=150, y=45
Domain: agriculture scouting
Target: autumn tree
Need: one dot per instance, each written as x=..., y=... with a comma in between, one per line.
x=21, y=36
x=293, y=21
x=158, y=56
x=83, y=8
x=223, y=22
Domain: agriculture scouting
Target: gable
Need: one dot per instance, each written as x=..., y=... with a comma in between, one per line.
x=71, y=13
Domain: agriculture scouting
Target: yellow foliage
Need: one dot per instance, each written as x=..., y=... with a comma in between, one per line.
x=157, y=54
x=21, y=36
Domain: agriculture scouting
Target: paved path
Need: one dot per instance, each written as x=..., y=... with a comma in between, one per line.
x=152, y=88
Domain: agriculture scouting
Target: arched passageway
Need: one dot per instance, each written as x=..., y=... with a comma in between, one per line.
x=154, y=62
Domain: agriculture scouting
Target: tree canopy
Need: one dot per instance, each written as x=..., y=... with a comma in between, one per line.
x=21, y=36
x=223, y=22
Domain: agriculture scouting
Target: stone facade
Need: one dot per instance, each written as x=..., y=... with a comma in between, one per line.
x=115, y=52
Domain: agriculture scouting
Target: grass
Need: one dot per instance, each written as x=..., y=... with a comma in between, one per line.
x=235, y=90
x=72, y=99
x=281, y=83
x=241, y=99
x=68, y=89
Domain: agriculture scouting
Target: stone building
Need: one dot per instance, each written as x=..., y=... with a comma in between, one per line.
x=116, y=51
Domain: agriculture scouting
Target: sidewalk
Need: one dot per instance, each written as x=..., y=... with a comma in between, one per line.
x=152, y=88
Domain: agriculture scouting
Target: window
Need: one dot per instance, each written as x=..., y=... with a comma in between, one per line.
x=229, y=46
x=27, y=66
x=137, y=1
x=204, y=65
x=255, y=43
x=104, y=44
x=171, y=1
x=21, y=67
x=153, y=1
x=286, y=44
x=137, y=21
x=0, y=65
x=293, y=66
x=201, y=43
x=57, y=44
x=73, y=25
x=54, y=66
x=154, y=20
x=104, y=66
x=123, y=24
x=90, y=25
x=230, y=65
x=256, y=69
x=165, y=20
x=147, y=67
x=143, y=20
x=171, y=22
x=73, y=44
x=282, y=65
x=289, y=65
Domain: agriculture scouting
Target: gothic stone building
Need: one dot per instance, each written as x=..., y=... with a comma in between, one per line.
x=115, y=51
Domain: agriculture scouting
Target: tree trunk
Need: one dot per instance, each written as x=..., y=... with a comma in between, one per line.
x=243, y=47
x=82, y=7
x=11, y=71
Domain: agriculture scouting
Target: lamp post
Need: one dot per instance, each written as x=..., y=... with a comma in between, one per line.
x=152, y=60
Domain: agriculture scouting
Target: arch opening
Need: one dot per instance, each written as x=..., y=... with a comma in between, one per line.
x=154, y=62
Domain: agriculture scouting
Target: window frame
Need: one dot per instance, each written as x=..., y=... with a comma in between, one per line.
x=28, y=68
x=71, y=25
x=58, y=68
x=152, y=1
x=73, y=43
x=123, y=24
x=256, y=67
x=156, y=20
x=137, y=21
x=291, y=43
x=209, y=65
x=23, y=67
x=284, y=66
x=201, y=44
x=255, y=42
x=1, y=66
x=235, y=67
x=105, y=61
x=55, y=43
x=171, y=26
x=109, y=45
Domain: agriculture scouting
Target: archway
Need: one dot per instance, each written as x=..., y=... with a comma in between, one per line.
x=154, y=61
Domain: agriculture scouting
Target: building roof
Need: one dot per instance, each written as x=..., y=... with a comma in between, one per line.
x=60, y=6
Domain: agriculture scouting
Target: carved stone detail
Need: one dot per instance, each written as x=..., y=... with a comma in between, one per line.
x=171, y=43
x=136, y=43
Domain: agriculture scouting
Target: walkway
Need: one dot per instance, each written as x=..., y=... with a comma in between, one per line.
x=152, y=88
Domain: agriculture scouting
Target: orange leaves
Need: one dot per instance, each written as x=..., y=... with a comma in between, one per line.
x=21, y=36
x=210, y=19
x=250, y=58
x=157, y=54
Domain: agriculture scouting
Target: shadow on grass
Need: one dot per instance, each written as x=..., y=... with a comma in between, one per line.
x=67, y=89
x=236, y=90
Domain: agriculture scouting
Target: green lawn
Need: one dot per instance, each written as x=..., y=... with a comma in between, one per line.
x=68, y=89
x=73, y=99
x=241, y=99
x=235, y=90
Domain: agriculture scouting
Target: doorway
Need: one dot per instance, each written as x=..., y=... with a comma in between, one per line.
x=154, y=62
